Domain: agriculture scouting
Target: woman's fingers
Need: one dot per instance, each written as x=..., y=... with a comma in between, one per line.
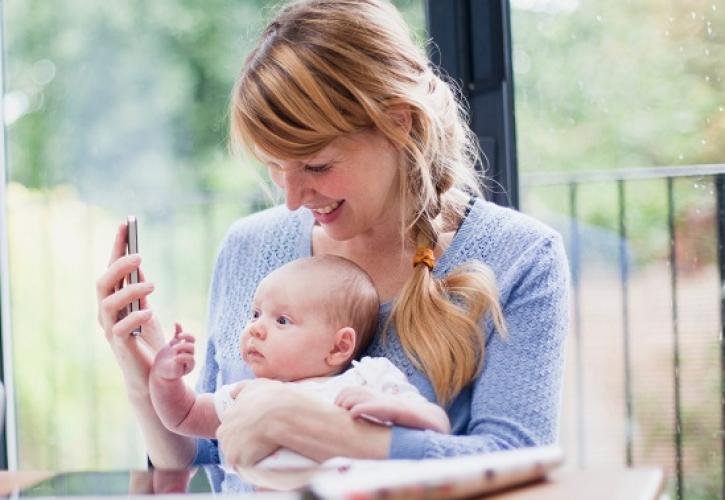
x=119, y=244
x=124, y=327
x=142, y=279
x=109, y=281
x=113, y=307
x=350, y=396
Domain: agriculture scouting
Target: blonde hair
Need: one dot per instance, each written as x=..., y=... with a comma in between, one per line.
x=324, y=69
x=355, y=301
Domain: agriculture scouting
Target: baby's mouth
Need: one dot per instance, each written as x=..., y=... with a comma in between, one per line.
x=253, y=353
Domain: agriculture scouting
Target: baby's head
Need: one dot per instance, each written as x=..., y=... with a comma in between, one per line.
x=310, y=318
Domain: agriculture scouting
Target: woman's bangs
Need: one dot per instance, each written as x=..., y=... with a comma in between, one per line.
x=273, y=112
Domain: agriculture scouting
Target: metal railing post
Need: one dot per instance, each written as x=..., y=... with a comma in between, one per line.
x=676, y=337
x=720, y=196
x=624, y=276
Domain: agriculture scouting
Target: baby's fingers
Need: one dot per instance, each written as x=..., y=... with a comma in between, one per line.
x=186, y=361
x=234, y=392
x=183, y=348
x=375, y=411
x=182, y=338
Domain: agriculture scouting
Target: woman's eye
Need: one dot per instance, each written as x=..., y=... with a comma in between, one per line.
x=283, y=320
x=317, y=169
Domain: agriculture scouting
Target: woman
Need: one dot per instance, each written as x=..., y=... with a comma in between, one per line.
x=376, y=162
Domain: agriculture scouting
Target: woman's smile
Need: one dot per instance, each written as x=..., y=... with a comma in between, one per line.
x=328, y=213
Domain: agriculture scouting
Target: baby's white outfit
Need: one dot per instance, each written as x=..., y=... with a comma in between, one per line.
x=379, y=374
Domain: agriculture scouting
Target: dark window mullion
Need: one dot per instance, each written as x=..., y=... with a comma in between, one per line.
x=473, y=40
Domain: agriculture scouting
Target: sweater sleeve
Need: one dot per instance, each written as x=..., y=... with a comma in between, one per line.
x=515, y=401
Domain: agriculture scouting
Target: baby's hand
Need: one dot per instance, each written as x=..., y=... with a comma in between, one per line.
x=363, y=402
x=176, y=358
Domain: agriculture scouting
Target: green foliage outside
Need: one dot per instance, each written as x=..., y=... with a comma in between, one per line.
x=616, y=85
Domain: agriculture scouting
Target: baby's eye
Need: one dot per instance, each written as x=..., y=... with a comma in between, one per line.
x=255, y=314
x=283, y=320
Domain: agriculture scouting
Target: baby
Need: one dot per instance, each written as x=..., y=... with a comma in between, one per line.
x=309, y=319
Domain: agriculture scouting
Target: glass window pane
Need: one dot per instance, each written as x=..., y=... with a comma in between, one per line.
x=114, y=108
x=610, y=86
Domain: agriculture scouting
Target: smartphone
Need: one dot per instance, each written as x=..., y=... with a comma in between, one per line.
x=132, y=244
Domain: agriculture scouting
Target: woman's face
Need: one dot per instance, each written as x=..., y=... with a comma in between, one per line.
x=351, y=186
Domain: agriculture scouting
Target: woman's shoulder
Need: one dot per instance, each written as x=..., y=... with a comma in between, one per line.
x=504, y=238
x=507, y=224
x=490, y=227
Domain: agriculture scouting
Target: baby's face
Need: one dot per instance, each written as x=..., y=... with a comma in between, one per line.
x=288, y=336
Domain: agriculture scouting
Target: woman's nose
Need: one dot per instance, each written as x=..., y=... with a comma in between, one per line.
x=292, y=183
x=294, y=190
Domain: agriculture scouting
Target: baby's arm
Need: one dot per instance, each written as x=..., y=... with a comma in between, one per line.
x=180, y=409
x=408, y=410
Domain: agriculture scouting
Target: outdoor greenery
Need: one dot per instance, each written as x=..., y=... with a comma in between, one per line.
x=119, y=107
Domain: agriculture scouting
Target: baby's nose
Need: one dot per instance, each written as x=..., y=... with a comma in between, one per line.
x=257, y=331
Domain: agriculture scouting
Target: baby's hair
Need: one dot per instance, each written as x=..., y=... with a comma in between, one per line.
x=355, y=299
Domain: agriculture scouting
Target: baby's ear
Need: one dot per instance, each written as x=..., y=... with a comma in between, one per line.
x=343, y=347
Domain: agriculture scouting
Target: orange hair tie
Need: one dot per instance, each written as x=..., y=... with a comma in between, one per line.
x=424, y=255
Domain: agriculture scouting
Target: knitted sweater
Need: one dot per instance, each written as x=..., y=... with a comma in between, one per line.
x=515, y=400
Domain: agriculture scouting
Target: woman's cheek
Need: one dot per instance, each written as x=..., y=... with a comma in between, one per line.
x=277, y=178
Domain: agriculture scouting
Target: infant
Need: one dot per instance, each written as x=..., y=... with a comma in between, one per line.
x=310, y=319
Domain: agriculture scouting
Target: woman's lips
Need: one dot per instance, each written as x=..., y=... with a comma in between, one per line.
x=327, y=218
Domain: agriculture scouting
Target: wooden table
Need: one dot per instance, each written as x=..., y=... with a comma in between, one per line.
x=598, y=484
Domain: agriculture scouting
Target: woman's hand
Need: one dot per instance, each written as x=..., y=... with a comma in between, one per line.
x=134, y=354
x=268, y=415
x=245, y=434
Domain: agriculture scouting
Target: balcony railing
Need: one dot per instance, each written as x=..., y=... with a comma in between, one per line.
x=669, y=176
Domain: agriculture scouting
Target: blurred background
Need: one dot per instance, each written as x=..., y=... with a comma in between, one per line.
x=120, y=107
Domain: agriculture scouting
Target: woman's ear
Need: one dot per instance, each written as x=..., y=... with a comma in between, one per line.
x=342, y=348
x=402, y=117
